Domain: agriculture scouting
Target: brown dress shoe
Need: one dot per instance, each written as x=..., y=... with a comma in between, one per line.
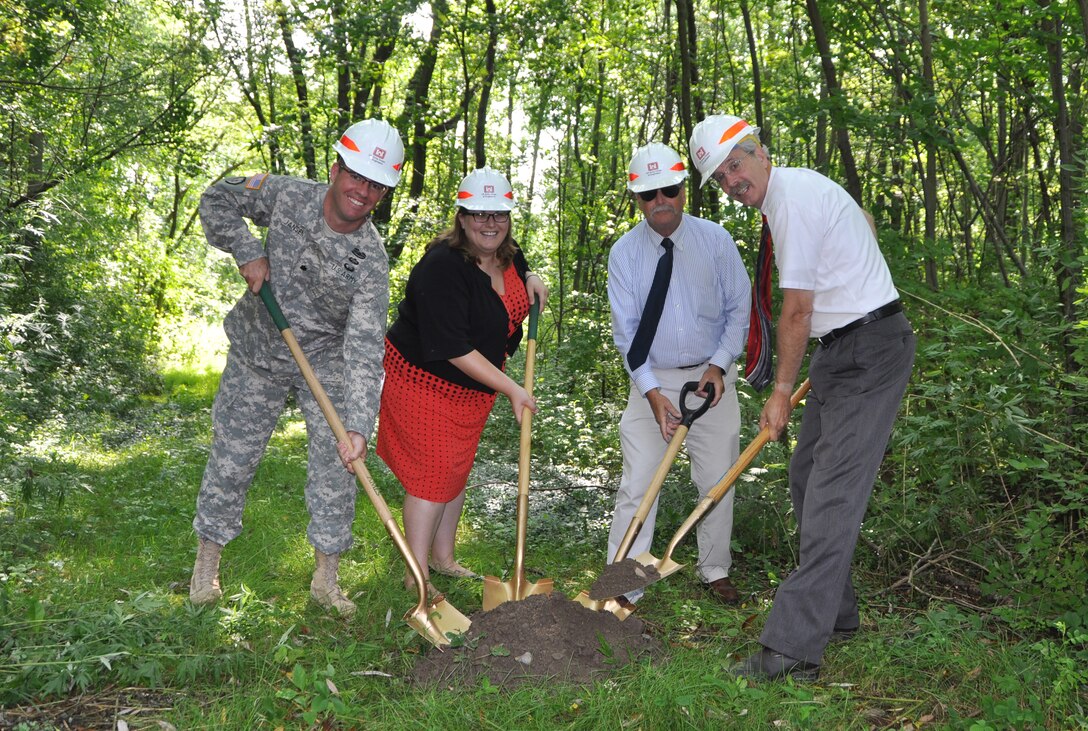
x=724, y=591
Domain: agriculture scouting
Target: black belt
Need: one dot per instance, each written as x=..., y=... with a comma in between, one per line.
x=878, y=314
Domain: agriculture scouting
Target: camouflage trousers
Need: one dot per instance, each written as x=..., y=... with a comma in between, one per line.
x=244, y=415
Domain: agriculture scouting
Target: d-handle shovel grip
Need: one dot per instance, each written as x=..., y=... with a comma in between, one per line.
x=688, y=416
x=718, y=491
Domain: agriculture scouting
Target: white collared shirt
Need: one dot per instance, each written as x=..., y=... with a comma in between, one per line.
x=823, y=243
x=706, y=310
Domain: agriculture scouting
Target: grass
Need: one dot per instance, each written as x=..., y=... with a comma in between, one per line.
x=96, y=547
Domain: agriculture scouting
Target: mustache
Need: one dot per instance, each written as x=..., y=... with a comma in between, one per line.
x=662, y=208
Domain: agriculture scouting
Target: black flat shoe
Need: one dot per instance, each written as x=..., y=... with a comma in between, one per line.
x=770, y=665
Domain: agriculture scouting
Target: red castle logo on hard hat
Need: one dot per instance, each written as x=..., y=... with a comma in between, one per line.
x=379, y=153
x=652, y=167
x=700, y=153
x=489, y=190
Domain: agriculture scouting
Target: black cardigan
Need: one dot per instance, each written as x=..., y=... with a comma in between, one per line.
x=450, y=309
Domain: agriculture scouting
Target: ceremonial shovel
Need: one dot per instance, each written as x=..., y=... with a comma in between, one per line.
x=687, y=418
x=665, y=565
x=434, y=620
x=518, y=587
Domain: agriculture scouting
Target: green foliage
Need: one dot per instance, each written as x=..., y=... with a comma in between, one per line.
x=314, y=695
x=142, y=641
x=980, y=465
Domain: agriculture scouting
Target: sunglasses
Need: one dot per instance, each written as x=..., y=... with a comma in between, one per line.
x=669, y=191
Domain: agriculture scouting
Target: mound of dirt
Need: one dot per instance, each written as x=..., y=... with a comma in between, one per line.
x=542, y=637
x=622, y=577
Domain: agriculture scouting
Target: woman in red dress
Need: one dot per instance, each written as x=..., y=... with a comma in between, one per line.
x=444, y=358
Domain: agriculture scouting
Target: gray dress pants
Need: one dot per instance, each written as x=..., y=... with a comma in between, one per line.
x=858, y=382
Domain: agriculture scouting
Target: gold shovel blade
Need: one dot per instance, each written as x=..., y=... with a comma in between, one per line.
x=496, y=591
x=603, y=605
x=438, y=621
x=665, y=566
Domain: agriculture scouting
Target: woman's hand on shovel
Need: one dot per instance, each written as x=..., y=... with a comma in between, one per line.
x=353, y=451
x=521, y=400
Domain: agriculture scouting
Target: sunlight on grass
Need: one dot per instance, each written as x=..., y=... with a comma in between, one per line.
x=193, y=345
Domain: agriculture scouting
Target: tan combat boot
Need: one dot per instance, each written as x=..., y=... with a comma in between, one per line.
x=204, y=586
x=325, y=588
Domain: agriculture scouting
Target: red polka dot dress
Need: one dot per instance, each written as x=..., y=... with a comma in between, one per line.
x=429, y=428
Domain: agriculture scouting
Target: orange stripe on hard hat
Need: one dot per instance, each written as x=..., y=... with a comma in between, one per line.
x=349, y=143
x=509, y=194
x=732, y=131
x=632, y=176
x=462, y=194
x=678, y=166
x=397, y=167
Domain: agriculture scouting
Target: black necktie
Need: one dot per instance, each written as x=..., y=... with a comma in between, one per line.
x=651, y=312
x=758, y=367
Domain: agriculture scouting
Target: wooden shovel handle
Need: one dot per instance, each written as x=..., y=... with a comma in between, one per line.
x=337, y=426
x=523, y=453
x=752, y=450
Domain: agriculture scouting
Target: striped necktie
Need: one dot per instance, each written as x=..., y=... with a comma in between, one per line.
x=759, y=366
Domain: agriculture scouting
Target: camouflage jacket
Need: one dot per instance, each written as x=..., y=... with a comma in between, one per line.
x=333, y=288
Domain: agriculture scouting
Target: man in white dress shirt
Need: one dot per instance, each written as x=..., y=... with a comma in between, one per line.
x=836, y=289
x=701, y=331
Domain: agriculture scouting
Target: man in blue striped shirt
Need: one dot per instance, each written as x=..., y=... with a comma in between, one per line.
x=701, y=331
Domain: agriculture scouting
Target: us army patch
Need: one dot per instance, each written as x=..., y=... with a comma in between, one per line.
x=256, y=181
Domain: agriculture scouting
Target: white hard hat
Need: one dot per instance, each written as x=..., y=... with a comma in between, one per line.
x=655, y=166
x=713, y=139
x=485, y=189
x=372, y=148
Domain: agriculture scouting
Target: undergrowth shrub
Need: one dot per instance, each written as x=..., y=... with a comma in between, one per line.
x=983, y=493
x=48, y=651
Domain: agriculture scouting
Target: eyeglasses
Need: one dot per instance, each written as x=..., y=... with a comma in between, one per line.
x=732, y=165
x=669, y=191
x=482, y=216
x=378, y=188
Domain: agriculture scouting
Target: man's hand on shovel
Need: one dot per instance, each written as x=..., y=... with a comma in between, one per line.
x=353, y=450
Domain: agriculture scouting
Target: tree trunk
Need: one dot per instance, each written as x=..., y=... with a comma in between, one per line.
x=838, y=101
x=757, y=84
x=1066, y=267
x=689, y=80
x=295, y=59
x=929, y=179
x=485, y=85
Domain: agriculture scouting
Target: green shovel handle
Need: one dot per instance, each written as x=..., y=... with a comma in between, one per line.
x=534, y=316
x=274, y=307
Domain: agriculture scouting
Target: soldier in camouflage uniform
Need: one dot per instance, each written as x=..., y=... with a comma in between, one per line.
x=329, y=271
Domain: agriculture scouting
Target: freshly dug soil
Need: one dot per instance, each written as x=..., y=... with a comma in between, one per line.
x=542, y=637
x=623, y=577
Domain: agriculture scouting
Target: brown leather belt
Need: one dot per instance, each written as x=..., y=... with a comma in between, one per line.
x=878, y=314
